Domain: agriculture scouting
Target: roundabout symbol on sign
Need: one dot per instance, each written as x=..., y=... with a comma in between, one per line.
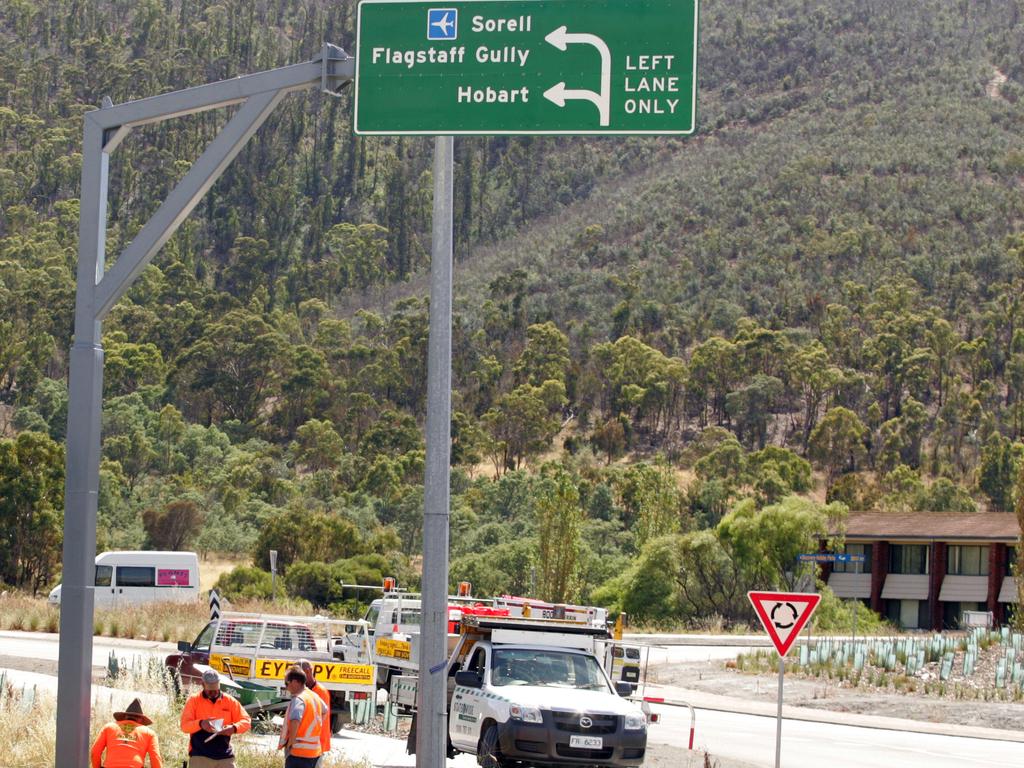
x=793, y=614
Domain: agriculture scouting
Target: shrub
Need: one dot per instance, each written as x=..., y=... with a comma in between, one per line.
x=320, y=583
x=244, y=581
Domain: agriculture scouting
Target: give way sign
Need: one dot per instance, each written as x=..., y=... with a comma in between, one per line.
x=783, y=615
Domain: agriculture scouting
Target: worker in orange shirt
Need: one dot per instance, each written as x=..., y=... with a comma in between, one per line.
x=211, y=718
x=127, y=741
x=313, y=685
x=304, y=720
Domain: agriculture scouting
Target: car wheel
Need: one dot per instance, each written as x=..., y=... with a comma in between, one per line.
x=341, y=715
x=488, y=754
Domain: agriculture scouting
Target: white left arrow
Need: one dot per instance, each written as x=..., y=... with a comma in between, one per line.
x=558, y=94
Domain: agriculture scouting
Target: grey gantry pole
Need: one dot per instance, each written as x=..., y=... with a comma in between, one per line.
x=432, y=726
x=97, y=292
x=81, y=492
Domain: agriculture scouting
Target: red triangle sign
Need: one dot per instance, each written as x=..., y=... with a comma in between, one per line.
x=783, y=615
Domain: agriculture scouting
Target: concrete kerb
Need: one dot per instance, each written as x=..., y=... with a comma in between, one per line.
x=674, y=696
x=740, y=641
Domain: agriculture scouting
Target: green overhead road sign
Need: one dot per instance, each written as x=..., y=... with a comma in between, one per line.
x=526, y=66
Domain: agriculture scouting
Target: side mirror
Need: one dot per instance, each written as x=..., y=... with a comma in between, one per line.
x=623, y=688
x=468, y=679
x=184, y=646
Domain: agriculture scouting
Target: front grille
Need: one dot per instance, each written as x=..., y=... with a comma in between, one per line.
x=600, y=724
x=530, y=746
x=564, y=750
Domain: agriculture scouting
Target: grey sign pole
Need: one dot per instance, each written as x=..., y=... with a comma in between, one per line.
x=432, y=725
x=99, y=289
x=778, y=719
x=273, y=575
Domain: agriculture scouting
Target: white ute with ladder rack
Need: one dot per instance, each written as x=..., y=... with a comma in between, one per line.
x=256, y=650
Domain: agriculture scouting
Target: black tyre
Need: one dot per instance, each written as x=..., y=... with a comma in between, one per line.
x=341, y=715
x=488, y=753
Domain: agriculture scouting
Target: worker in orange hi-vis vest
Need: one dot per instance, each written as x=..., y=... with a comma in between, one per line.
x=127, y=741
x=300, y=734
x=210, y=718
x=316, y=687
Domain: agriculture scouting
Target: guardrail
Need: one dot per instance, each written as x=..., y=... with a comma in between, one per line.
x=663, y=702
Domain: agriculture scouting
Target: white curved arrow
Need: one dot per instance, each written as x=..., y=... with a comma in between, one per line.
x=558, y=94
x=561, y=38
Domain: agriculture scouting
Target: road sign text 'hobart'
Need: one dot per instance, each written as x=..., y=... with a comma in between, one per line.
x=526, y=66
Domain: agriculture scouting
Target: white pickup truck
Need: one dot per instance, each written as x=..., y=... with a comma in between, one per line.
x=534, y=691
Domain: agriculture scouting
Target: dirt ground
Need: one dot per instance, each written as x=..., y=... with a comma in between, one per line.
x=714, y=677
x=44, y=667
x=663, y=756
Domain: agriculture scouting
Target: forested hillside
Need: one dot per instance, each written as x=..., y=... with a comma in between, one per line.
x=670, y=354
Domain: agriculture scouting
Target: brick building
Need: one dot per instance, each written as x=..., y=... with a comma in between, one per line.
x=924, y=569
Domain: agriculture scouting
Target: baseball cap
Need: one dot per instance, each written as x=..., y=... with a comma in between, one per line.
x=210, y=676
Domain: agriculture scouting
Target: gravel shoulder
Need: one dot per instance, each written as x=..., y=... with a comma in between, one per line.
x=823, y=694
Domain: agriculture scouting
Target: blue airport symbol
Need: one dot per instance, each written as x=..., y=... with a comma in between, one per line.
x=442, y=23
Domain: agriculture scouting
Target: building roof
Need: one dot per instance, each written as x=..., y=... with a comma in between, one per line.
x=942, y=526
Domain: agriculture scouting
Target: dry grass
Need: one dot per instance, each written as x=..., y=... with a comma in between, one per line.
x=214, y=565
x=28, y=726
x=27, y=614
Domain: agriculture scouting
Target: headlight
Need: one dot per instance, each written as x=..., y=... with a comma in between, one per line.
x=635, y=722
x=525, y=714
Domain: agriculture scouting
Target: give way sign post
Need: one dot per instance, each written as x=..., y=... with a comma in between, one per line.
x=783, y=615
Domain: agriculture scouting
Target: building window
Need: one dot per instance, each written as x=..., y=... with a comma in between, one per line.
x=855, y=549
x=1011, y=560
x=952, y=613
x=967, y=561
x=911, y=559
x=908, y=614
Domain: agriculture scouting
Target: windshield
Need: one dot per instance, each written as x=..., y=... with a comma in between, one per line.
x=371, y=617
x=550, y=669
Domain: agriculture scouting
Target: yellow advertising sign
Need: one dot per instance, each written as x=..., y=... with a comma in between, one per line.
x=235, y=665
x=395, y=649
x=331, y=673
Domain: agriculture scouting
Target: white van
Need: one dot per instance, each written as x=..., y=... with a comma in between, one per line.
x=133, y=578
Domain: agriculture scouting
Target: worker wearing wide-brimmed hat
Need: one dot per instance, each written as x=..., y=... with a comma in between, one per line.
x=127, y=741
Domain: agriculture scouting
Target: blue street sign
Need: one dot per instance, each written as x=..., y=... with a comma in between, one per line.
x=829, y=557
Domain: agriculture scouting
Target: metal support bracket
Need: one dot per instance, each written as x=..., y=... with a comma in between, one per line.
x=336, y=69
x=99, y=289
